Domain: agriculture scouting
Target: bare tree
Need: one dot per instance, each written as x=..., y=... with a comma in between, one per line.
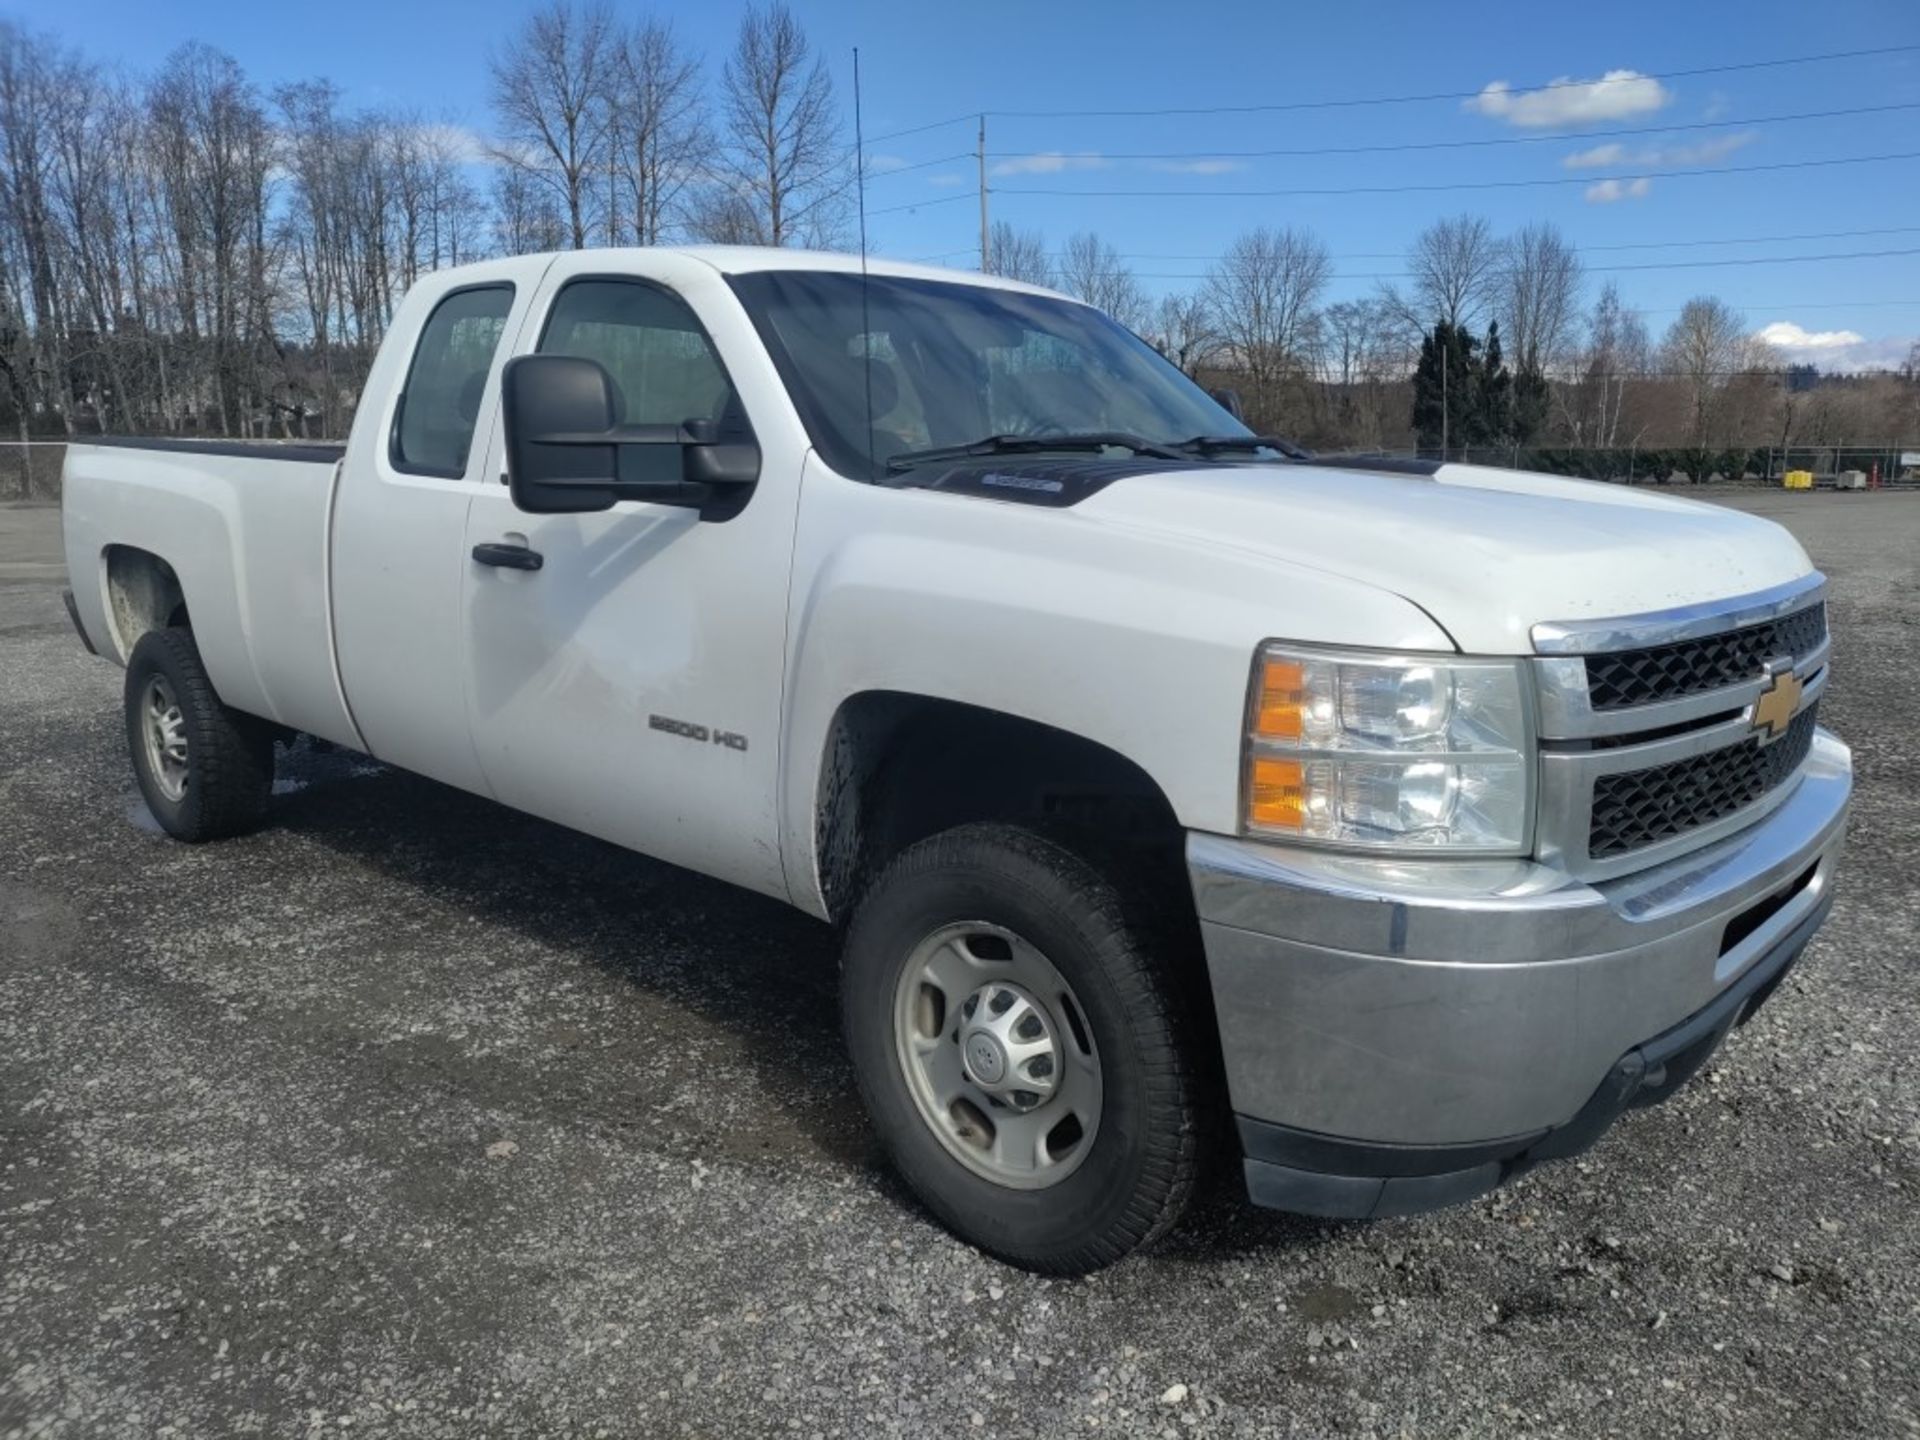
x=1363, y=355
x=1018, y=254
x=213, y=151
x=1705, y=347
x=526, y=218
x=1183, y=331
x=1091, y=270
x=1617, y=353
x=1539, y=297
x=30, y=86
x=1261, y=297
x=1346, y=331
x=657, y=136
x=1455, y=268
x=549, y=87
x=786, y=165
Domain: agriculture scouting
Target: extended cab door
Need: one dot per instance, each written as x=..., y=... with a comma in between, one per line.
x=630, y=686
x=398, y=549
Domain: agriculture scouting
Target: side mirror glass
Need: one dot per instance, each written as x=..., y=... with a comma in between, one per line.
x=568, y=453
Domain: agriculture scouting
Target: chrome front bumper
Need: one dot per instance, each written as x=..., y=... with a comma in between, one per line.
x=1409, y=1014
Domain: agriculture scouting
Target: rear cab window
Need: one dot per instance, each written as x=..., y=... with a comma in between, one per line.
x=447, y=382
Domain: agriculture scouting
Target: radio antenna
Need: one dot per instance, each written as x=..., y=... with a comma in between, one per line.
x=866, y=327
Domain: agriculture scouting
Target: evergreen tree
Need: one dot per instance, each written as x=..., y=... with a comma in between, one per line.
x=1426, y=391
x=1446, y=400
x=1493, y=420
x=1531, y=399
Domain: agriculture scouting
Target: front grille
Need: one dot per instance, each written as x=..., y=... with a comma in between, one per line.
x=1693, y=667
x=1635, y=808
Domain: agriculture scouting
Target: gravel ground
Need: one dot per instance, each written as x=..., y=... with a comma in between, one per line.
x=413, y=1116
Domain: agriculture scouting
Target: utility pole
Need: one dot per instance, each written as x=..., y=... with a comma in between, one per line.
x=982, y=156
x=1446, y=406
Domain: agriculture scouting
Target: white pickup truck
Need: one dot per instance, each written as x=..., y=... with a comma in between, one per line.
x=1421, y=819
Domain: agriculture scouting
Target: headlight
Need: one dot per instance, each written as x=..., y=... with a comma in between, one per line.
x=1388, y=751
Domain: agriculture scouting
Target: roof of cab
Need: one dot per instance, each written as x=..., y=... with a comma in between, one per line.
x=748, y=259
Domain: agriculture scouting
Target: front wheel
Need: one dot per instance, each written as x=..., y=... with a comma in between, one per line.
x=204, y=769
x=1016, y=1027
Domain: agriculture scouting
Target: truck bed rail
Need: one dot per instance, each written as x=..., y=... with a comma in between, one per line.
x=318, y=451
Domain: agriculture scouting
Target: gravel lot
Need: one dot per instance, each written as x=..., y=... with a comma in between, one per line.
x=412, y=1116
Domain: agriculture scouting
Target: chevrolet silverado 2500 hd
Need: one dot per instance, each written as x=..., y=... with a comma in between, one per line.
x=1426, y=816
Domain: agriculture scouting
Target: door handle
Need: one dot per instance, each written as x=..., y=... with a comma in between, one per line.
x=508, y=557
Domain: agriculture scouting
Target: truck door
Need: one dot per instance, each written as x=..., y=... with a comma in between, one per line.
x=398, y=547
x=630, y=687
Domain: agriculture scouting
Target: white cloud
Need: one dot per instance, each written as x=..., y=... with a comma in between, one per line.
x=1789, y=336
x=1616, y=95
x=1050, y=162
x=1606, y=192
x=1196, y=167
x=946, y=180
x=1705, y=152
x=880, y=164
x=1597, y=158
x=1835, y=350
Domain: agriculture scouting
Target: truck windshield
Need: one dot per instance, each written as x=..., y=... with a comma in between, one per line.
x=950, y=364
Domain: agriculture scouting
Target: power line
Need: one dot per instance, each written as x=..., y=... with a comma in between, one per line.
x=1876, y=303
x=1879, y=302
x=890, y=171
x=1453, y=94
x=1412, y=189
x=1460, y=185
x=976, y=113
x=1603, y=269
x=968, y=194
x=1634, y=245
x=922, y=129
x=1556, y=137
x=1757, y=239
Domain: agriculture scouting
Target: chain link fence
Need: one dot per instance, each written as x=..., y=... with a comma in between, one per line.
x=1891, y=465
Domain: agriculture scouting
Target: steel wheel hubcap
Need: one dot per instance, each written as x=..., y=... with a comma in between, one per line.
x=165, y=729
x=997, y=1055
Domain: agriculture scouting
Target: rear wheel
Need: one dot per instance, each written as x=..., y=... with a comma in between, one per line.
x=1016, y=1026
x=204, y=769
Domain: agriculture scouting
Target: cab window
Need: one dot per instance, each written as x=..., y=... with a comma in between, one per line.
x=664, y=368
x=447, y=381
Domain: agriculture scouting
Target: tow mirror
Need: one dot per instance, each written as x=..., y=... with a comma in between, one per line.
x=568, y=453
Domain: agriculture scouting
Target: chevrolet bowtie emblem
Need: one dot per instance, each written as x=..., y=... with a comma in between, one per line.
x=1773, y=712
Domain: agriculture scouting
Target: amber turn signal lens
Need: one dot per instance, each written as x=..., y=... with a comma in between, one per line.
x=1282, y=712
x=1277, y=798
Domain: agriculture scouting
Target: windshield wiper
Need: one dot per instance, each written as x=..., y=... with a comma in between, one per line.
x=1209, y=445
x=1026, y=444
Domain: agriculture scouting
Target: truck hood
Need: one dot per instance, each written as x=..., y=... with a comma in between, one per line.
x=1487, y=553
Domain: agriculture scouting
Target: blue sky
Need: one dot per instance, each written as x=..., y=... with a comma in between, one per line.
x=924, y=63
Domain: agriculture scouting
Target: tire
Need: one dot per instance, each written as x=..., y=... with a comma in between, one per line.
x=205, y=770
x=1115, y=1187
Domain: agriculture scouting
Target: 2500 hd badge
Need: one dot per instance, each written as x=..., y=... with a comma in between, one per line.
x=729, y=738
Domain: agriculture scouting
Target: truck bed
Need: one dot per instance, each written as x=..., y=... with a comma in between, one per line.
x=242, y=528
